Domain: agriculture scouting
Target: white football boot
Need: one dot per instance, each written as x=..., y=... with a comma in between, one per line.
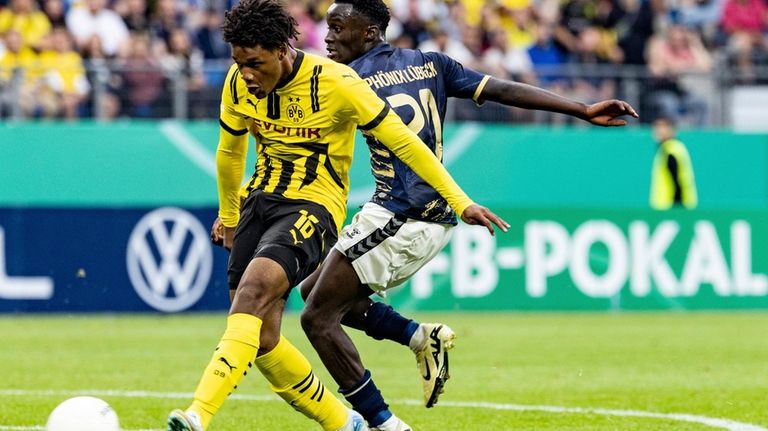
x=355, y=422
x=180, y=420
x=431, y=344
x=393, y=424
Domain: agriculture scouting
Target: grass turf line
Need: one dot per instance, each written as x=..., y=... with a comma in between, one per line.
x=709, y=364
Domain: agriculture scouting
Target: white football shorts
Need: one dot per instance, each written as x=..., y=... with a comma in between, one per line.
x=386, y=249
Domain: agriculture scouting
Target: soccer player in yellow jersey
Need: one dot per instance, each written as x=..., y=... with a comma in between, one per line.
x=304, y=110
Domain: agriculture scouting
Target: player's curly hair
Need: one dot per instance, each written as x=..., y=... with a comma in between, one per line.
x=374, y=10
x=264, y=23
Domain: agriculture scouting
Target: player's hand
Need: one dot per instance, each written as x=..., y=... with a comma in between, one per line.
x=221, y=235
x=606, y=113
x=480, y=215
x=217, y=233
x=229, y=237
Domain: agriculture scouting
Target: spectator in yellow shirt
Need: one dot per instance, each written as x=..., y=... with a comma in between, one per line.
x=17, y=59
x=64, y=73
x=24, y=17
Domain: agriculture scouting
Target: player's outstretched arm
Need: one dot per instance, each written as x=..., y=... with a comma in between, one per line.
x=605, y=113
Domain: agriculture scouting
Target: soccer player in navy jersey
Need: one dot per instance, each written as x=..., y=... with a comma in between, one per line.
x=406, y=223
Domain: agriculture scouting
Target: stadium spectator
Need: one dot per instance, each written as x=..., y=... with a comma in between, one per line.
x=575, y=17
x=545, y=52
x=635, y=29
x=185, y=60
x=748, y=16
x=596, y=46
x=182, y=55
x=440, y=41
x=142, y=78
x=209, y=37
x=94, y=19
x=415, y=15
x=167, y=17
x=673, y=60
x=745, y=22
x=135, y=14
x=310, y=37
x=105, y=79
x=672, y=180
x=593, y=51
x=518, y=22
x=33, y=92
x=56, y=11
x=24, y=17
x=501, y=59
x=18, y=65
x=703, y=15
x=65, y=77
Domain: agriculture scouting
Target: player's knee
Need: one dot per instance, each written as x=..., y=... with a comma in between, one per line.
x=255, y=296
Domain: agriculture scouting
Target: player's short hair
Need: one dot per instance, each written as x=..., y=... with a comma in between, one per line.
x=264, y=23
x=374, y=10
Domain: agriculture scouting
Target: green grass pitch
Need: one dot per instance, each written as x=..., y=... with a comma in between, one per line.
x=509, y=371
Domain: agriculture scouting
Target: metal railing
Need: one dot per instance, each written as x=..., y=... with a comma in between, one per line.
x=119, y=90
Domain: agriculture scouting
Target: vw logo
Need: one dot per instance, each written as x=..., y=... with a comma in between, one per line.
x=169, y=259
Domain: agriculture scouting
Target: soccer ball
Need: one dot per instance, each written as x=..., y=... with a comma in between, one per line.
x=83, y=414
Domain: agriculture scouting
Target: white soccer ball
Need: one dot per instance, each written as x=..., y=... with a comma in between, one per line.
x=83, y=414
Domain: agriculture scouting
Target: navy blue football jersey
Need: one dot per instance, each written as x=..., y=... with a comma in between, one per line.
x=416, y=85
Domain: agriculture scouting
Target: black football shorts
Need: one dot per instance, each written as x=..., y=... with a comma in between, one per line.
x=295, y=233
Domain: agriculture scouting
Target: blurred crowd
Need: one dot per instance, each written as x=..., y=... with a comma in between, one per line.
x=138, y=54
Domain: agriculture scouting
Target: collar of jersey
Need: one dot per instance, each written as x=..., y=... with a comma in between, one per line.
x=296, y=65
x=377, y=49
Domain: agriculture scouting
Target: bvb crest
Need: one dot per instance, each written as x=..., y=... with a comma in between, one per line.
x=294, y=111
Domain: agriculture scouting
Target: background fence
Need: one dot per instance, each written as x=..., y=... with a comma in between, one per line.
x=722, y=97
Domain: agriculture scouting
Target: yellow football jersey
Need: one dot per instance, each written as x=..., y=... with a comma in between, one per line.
x=305, y=136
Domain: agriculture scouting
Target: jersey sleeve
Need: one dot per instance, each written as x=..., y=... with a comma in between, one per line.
x=363, y=104
x=460, y=81
x=231, y=152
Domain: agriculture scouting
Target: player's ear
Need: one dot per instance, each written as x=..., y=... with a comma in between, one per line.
x=372, y=33
x=281, y=52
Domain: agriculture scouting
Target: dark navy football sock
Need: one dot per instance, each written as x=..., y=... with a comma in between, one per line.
x=366, y=399
x=382, y=322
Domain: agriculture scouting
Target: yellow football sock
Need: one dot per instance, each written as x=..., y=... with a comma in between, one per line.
x=230, y=362
x=291, y=377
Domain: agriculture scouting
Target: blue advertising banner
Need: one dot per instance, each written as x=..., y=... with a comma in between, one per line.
x=74, y=260
x=162, y=260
